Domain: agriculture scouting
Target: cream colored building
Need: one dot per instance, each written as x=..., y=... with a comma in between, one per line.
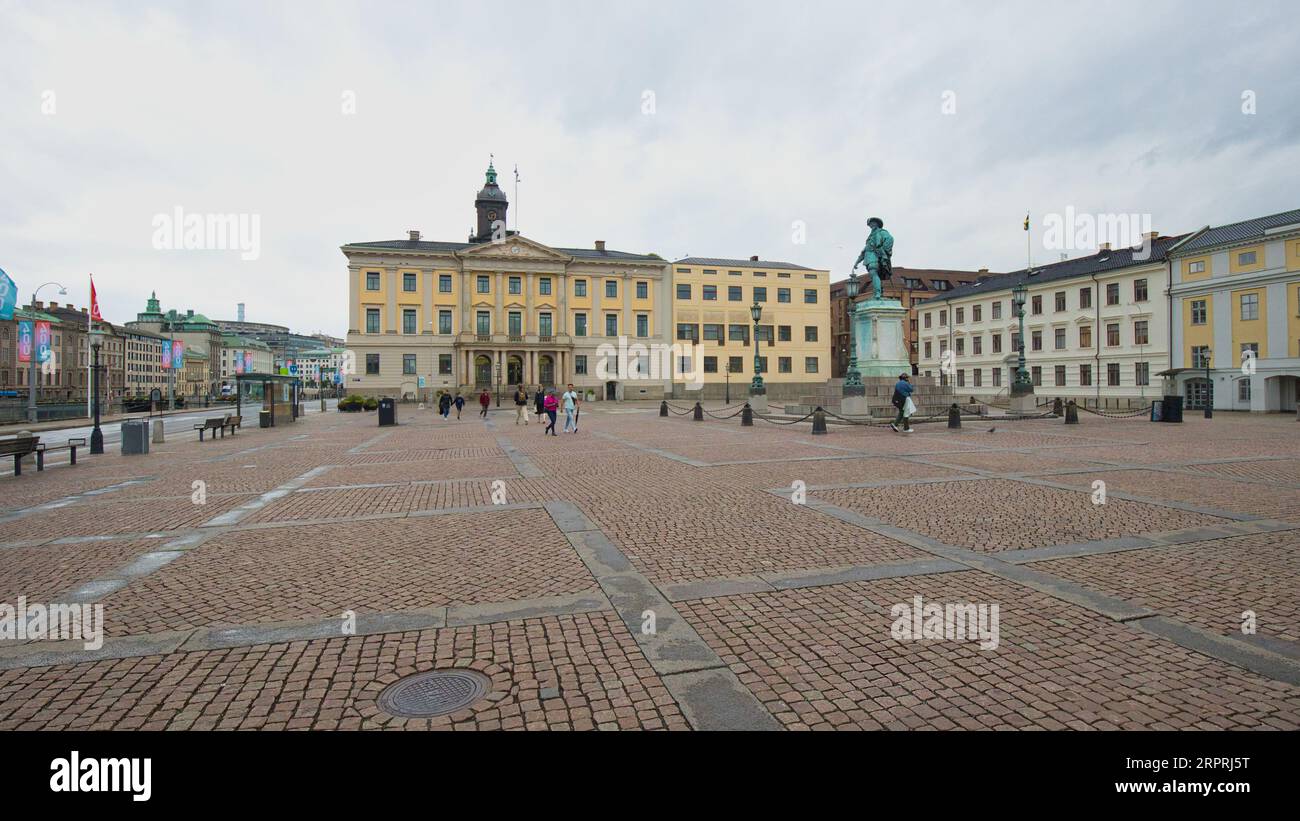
x=1096, y=329
x=1235, y=300
x=712, y=300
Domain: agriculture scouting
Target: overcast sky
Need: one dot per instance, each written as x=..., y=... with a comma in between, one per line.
x=763, y=114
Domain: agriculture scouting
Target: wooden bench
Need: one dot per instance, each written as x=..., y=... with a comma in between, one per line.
x=233, y=422
x=70, y=446
x=18, y=447
x=215, y=424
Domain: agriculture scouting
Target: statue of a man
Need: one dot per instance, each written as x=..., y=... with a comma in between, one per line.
x=877, y=255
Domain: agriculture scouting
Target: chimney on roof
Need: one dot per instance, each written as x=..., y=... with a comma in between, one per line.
x=600, y=245
x=189, y=313
x=754, y=258
x=1105, y=248
x=414, y=235
x=38, y=305
x=53, y=305
x=85, y=310
x=984, y=270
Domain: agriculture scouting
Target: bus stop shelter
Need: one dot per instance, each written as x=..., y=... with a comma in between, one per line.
x=275, y=396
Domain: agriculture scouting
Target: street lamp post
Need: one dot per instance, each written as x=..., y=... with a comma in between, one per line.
x=96, y=435
x=1023, y=385
x=727, y=378
x=1209, y=386
x=852, y=378
x=31, y=364
x=756, y=385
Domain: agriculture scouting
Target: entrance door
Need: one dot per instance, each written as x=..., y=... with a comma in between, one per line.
x=546, y=370
x=611, y=391
x=482, y=371
x=514, y=371
x=1195, y=392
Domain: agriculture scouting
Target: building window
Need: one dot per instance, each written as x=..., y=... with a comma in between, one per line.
x=1036, y=376
x=1200, y=311
x=372, y=320
x=961, y=346
x=927, y=349
x=484, y=320
x=611, y=288
x=1112, y=334
x=997, y=377
x=372, y=364
x=484, y=285
x=810, y=296
x=544, y=325
x=1243, y=390
x=1249, y=306
x=684, y=290
x=977, y=345
x=783, y=333
x=961, y=316
x=997, y=343
x=611, y=324
x=580, y=324
x=1247, y=258
x=1058, y=374
x=1142, y=373
x=1085, y=336
x=515, y=324
x=1085, y=297
x=1035, y=340
x=997, y=310
x=961, y=377
x=408, y=283
x=784, y=364
x=1060, y=300
x=734, y=293
x=1197, y=267
x=710, y=364
x=642, y=290
x=713, y=332
x=444, y=283
x=580, y=289
x=1141, y=334
x=710, y=293
x=642, y=325
x=1200, y=356
x=810, y=333
x=372, y=281
x=977, y=378
x=580, y=364
x=943, y=318
x=444, y=322
x=544, y=286
x=738, y=333
x=408, y=363
x=782, y=294
x=760, y=293
x=1085, y=375
x=1139, y=290
x=810, y=364
x=408, y=322
x=444, y=364
x=1112, y=293
x=735, y=364
x=926, y=320
x=1059, y=334
x=1036, y=304
x=1112, y=374
x=976, y=313
x=516, y=285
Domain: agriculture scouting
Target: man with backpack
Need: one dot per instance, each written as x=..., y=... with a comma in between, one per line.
x=903, y=401
x=521, y=405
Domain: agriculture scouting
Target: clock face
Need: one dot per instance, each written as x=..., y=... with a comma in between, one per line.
x=492, y=215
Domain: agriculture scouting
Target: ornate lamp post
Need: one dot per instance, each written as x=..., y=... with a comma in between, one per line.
x=756, y=386
x=727, y=378
x=1209, y=386
x=1023, y=385
x=31, y=365
x=852, y=378
x=96, y=435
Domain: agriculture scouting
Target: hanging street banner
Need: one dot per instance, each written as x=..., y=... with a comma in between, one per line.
x=178, y=355
x=167, y=354
x=25, y=336
x=248, y=361
x=8, y=296
x=43, y=337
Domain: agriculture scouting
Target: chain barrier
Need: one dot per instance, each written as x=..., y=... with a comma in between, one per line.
x=738, y=412
x=758, y=415
x=679, y=413
x=1124, y=415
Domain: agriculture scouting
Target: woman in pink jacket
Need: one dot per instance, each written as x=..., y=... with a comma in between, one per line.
x=551, y=404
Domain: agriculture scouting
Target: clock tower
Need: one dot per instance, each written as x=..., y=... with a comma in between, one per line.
x=491, y=207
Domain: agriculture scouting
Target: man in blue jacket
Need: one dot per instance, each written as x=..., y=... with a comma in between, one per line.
x=902, y=392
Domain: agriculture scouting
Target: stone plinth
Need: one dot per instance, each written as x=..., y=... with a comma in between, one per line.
x=758, y=402
x=878, y=335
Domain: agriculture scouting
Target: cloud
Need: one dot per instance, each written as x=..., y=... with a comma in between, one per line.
x=764, y=114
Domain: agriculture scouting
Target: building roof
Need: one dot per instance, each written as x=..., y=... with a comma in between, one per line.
x=742, y=263
x=1100, y=262
x=924, y=275
x=1239, y=231
x=428, y=247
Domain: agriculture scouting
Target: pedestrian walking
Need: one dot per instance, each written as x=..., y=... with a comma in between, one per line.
x=444, y=404
x=460, y=404
x=551, y=404
x=539, y=399
x=903, y=401
x=521, y=405
x=570, y=401
x=484, y=399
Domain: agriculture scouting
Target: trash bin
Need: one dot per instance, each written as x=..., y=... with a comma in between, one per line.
x=1158, y=410
x=264, y=419
x=135, y=437
x=387, y=412
x=1173, y=409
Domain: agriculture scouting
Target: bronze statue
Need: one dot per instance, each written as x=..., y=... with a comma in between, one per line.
x=877, y=255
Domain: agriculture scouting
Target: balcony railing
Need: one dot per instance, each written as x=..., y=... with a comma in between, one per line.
x=545, y=338
x=483, y=337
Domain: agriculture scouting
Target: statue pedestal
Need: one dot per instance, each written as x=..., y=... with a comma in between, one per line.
x=878, y=335
x=758, y=402
x=1023, y=405
x=855, y=406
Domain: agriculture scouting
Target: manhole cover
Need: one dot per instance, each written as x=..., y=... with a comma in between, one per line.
x=435, y=693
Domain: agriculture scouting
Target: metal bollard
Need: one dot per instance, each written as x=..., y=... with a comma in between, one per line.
x=1056, y=406
x=819, y=422
x=747, y=416
x=699, y=413
x=954, y=416
x=158, y=435
x=1071, y=413
x=663, y=408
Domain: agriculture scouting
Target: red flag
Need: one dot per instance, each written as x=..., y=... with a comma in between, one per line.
x=94, y=302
